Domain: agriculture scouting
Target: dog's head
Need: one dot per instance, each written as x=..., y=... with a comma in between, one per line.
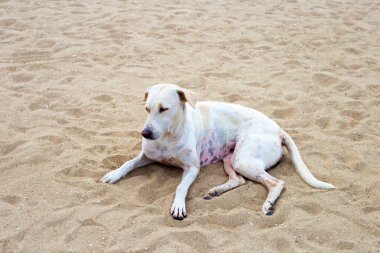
x=166, y=105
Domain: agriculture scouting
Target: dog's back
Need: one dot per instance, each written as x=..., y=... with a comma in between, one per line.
x=229, y=116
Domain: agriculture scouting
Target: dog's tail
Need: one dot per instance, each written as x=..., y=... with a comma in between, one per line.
x=300, y=166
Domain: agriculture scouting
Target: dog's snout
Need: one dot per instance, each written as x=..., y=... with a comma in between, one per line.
x=147, y=134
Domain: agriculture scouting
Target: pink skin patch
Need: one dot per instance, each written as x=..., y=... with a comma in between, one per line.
x=214, y=149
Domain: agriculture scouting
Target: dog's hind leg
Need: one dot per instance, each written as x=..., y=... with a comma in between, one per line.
x=254, y=170
x=253, y=155
x=234, y=180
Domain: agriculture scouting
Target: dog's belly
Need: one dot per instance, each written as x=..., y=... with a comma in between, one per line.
x=214, y=147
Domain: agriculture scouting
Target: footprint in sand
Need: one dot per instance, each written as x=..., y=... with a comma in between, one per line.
x=96, y=149
x=233, y=98
x=31, y=56
x=113, y=161
x=292, y=64
x=355, y=116
x=323, y=122
x=282, y=244
x=58, y=218
x=53, y=94
x=87, y=171
x=134, y=134
x=283, y=113
x=189, y=237
x=375, y=88
x=163, y=185
x=263, y=48
x=343, y=86
x=62, y=121
x=67, y=80
x=345, y=245
x=7, y=22
x=88, y=162
x=276, y=219
x=39, y=104
x=45, y=43
x=257, y=84
x=351, y=90
x=76, y=112
x=373, y=214
x=80, y=132
x=316, y=42
x=21, y=78
x=319, y=155
x=5, y=149
x=352, y=50
x=89, y=234
x=282, y=109
x=52, y=138
x=103, y=98
x=324, y=80
x=228, y=218
x=11, y=199
x=311, y=208
x=350, y=64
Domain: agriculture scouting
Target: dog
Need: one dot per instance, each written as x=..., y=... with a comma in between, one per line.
x=188, y=134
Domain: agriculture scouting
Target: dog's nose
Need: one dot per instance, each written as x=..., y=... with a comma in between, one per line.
x=147, y=134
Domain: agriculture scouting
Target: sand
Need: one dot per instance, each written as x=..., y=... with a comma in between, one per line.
x=73, y=76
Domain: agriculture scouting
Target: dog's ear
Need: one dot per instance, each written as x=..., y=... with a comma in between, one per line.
x=186, y=95
x=146, y=95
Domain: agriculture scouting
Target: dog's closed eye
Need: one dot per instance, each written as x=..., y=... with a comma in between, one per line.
x=162, y=109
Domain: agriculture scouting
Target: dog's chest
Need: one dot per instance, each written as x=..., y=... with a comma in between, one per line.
x=174, y=155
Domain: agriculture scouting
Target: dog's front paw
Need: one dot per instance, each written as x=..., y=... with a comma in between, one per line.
x=178, y=210
x=111, y=177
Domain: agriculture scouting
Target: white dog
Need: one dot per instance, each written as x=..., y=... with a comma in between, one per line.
x=183, y=133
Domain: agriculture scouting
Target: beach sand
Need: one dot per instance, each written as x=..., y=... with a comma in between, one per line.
x=73, y=76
